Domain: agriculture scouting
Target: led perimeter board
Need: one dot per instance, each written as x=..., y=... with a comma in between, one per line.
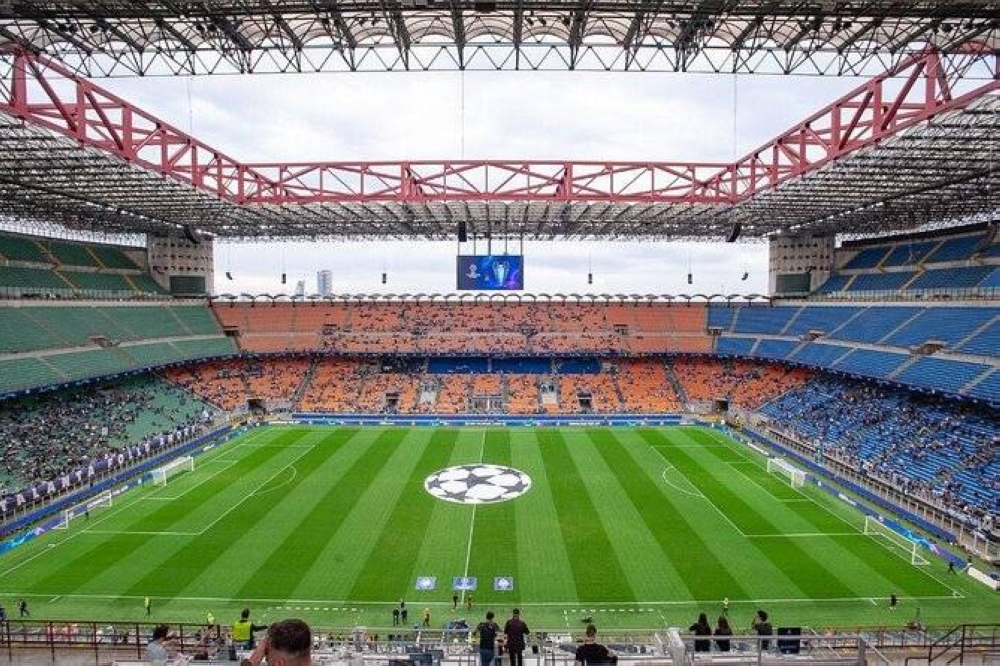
x=490, y=272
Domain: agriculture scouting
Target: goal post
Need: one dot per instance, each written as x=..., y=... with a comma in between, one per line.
x=105, y=499
x=895, y=541
x=175, y=466
x=796, y=477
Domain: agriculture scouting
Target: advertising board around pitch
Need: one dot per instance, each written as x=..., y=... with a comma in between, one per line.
x=490, y=272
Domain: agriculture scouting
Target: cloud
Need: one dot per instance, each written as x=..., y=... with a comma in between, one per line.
x=488, y=115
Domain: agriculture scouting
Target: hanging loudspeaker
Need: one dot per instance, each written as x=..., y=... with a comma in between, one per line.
x=192, y=234
x=745, y=276
x=463, y=232
x=229, y=276
x=284, y=278
x=690, y=280
x=383, y=278
x=735, y=233
x=590, y=278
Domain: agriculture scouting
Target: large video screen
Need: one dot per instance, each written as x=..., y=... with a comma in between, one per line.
x=490, y=272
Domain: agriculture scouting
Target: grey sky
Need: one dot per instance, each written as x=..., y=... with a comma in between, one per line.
x=511, y=115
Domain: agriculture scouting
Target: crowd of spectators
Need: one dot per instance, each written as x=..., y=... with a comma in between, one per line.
x=464, y=328
x=945, y=452
x=49, y=435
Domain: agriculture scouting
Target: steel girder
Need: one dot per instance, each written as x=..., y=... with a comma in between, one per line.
x=892, y=148
x=125, y=37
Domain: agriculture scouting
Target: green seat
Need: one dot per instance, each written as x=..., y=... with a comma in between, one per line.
x=31, y=278
x=112, y=257
x=22, y=373
x=70, y=254
x=16, y=248
x=97, y=281
x=198, y=319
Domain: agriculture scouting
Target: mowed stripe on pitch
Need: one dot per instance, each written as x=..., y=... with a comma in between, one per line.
x=386, y=571
x=494, y=543
x=300, y=546
x=199, y=554
x=702, y=573
x=597, y=572
x=92, y=556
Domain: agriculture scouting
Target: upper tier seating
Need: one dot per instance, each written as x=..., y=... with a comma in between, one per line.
x=41, y=345
x=925, y=446
x=893, y=332
x=437, y=328
x=963, y=262
x=34, y=266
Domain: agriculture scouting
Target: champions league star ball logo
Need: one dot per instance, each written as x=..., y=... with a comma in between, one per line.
x=477, y=484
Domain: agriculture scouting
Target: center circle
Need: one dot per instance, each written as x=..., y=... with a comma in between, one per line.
x=477, y=483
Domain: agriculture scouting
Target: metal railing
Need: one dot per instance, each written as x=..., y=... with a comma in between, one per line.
x=115, y=640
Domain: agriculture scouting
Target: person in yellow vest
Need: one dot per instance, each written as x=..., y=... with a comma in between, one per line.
x=243, y=630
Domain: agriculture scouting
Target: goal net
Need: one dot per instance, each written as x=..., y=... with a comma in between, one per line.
x=100, y=501
x=895, y=541
x=175, y=466
x=782, y=467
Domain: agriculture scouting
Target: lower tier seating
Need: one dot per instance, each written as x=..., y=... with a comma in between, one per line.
x=45, y=436
x=931, y=447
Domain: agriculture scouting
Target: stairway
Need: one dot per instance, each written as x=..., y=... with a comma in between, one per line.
x=304, y=384
x=675, y=382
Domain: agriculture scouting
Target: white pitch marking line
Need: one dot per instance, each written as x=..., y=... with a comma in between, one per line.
x=472, y=521
x=740, y=449
x=115, y=511
x=663, y=475
x=540, y=604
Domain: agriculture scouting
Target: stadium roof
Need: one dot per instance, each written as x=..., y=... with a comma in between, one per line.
x=917, y=145
x=125, y=37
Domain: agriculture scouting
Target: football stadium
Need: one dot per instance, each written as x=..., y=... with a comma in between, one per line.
x=191, y=470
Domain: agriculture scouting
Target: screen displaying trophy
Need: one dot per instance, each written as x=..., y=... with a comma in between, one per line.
x=490, y=272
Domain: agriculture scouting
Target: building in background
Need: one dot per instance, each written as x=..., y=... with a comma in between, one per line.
x=324, y=282
x=300, y=288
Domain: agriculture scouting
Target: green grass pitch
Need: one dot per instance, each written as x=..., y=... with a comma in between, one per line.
x=635, y=527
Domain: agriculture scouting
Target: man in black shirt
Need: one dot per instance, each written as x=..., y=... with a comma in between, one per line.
x=592, y=653
x=514, y=632
x=487, y=632
x=762, y=627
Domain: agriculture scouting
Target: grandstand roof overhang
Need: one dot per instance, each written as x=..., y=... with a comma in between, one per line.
x=916, y=145
x=124, y=37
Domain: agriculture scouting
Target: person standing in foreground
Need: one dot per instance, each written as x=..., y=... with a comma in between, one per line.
x=722, y=628
x=762, y=627
x=243, y=630
x=287, y=643
x=487, y=631
x=592, y=653
x=148, y=605
x=514, y=632
x=156, y=651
